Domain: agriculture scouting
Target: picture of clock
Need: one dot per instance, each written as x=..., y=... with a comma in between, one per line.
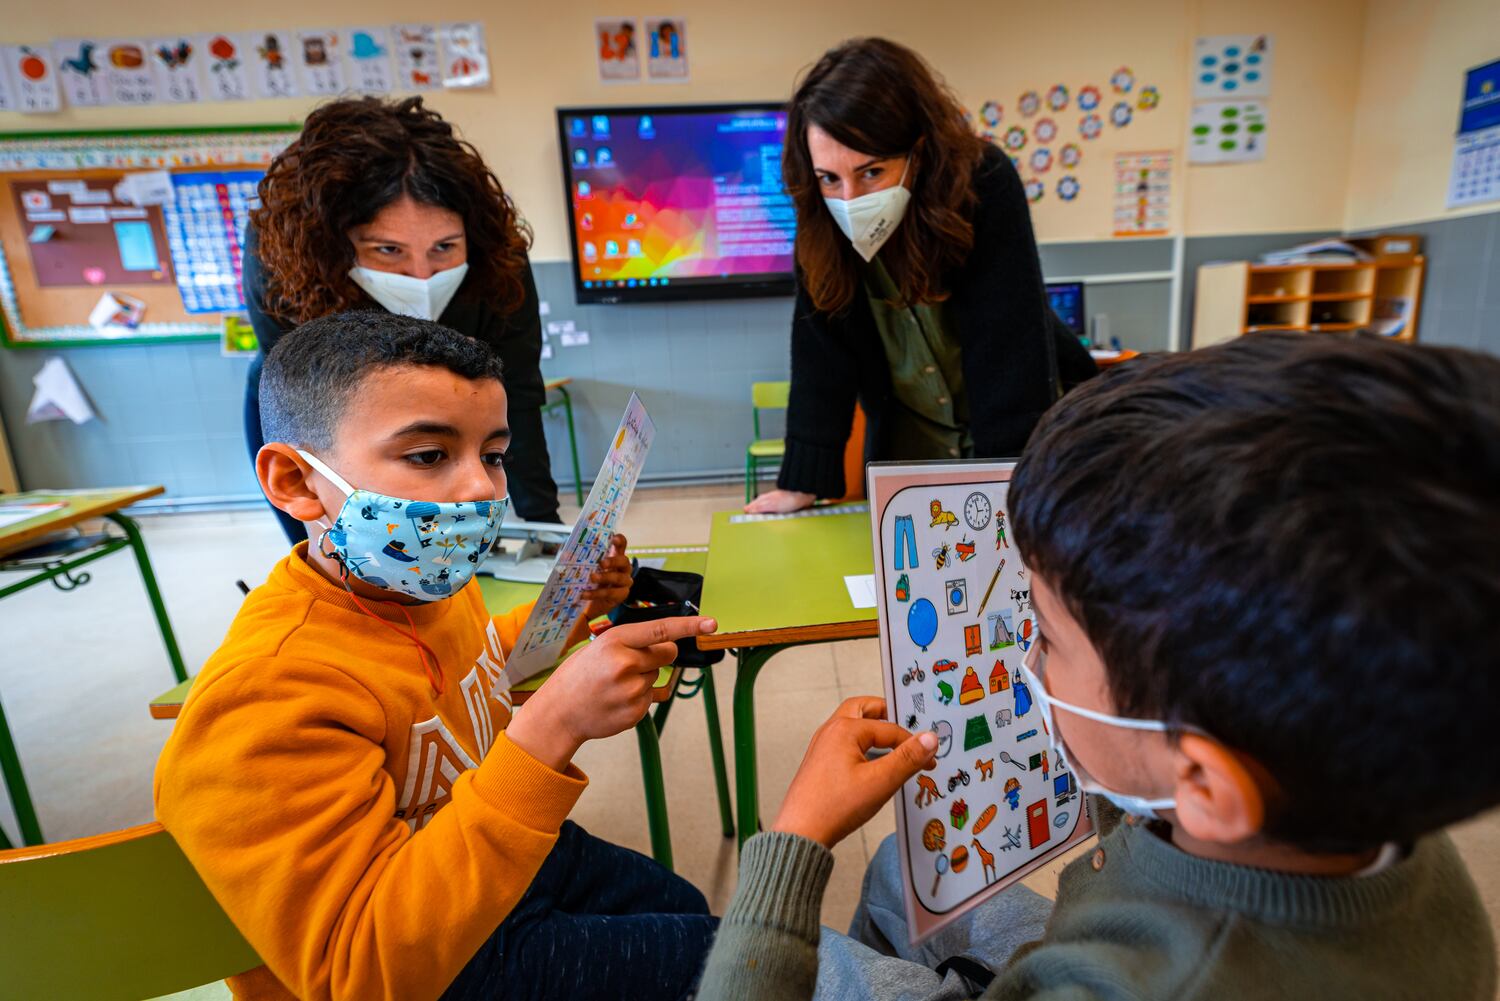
x=977, y=511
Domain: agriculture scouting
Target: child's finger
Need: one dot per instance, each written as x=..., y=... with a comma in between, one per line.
x=862, y=707
x=643, y=635
x=910, y=756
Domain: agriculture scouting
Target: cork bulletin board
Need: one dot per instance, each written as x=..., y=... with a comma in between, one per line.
x=155, y=216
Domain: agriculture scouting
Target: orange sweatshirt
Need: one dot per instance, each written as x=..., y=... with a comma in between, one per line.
x=365, y=834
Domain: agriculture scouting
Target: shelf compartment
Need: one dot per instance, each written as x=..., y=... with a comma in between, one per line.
x=1291, y=313
x=1339, y=314
x=1343, y=281
x=1279, y=285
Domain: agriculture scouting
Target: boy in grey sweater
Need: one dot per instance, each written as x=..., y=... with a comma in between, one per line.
x=1267, y=583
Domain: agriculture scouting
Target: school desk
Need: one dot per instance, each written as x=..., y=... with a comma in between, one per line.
x=23, y=551
x=565, y=401
x=502, y=595
x=776, y=582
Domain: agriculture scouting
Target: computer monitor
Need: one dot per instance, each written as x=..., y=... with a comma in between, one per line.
x=677, y=201
x=1066, y=299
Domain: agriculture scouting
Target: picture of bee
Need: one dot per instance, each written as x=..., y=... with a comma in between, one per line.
x=940, y=556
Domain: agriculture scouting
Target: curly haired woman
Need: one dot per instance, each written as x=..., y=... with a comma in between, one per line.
x=379, y=203
x=919, y=291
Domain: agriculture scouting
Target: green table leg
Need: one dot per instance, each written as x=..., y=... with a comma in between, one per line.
x=716, y=748
x=747, y=790
x=656, y=794
x=572, y=444
x=15, y=783
x=143, y=563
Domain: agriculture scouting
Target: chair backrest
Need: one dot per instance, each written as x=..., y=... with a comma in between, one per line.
x=120, y=915
x=767, y=396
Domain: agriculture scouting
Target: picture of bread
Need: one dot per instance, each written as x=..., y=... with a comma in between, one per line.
x=985, y=816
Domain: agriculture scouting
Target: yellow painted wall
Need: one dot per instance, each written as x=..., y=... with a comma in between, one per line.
x=542, y=56
x=1411, y=82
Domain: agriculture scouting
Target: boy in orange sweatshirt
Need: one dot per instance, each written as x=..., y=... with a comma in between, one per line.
x=346, y=774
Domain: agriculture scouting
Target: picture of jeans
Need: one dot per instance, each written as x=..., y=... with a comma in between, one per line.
x=904, y=530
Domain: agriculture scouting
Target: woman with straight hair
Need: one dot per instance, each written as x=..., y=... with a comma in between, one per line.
x=919, y=290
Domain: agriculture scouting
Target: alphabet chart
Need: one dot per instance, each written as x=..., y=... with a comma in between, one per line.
x=546, y=631
x=956, y=618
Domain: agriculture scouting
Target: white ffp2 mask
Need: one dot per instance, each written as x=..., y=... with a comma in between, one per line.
x=869, y=220
x=423, y=298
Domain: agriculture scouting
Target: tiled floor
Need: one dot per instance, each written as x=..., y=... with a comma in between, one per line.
x=81, y=668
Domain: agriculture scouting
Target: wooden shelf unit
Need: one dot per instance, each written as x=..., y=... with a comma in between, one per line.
x=1237, y=297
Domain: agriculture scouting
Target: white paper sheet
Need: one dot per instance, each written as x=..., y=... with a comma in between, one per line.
x=861, y=590
x=58, y=395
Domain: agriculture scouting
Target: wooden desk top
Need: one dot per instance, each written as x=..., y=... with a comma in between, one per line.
x=782, y=580
x=81, y=506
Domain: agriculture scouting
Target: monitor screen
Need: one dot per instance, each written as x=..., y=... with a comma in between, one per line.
x=1066, y=299
x=677, y=202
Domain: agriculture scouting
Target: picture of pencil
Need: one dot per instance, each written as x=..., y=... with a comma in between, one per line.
x=991, y=588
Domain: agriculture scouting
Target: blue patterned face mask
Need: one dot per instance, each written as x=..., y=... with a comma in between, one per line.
x=426, y=550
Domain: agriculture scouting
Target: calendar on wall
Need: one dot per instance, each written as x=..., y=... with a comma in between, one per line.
x=1475, y=177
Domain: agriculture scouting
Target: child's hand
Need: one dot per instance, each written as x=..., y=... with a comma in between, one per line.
x=837, y=789
x=603, y=689
x=611, y=582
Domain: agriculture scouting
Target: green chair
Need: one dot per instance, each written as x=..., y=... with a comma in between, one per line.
x=763, y=396
x=120, y=915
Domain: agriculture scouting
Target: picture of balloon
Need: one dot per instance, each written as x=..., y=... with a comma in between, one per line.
x=922, y=622
x=941, y=862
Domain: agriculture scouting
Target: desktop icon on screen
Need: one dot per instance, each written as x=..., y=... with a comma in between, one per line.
x=580, y=157
x=590, y=252
x=586, y=220
x=646, y=128
x=577, y=128
x=584, y=190
x=601, y=126
x=633, y=248
x=611, y=248
x=603, y=157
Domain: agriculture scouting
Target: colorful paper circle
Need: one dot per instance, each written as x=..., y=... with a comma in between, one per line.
x=1088, y=98
x=1067, y=188
x=1029, y=103
x=1090, y=127
x=1119, y=115
x=1150, y=97
x=1045, y=130
x=1070, y=155
x=1035, y=189
x=1057, y=97
x=1015, y=138
x=991, y=113
x=1041, y=160
x=1122, y=80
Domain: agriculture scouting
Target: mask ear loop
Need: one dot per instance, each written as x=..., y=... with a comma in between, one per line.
x=429, y=668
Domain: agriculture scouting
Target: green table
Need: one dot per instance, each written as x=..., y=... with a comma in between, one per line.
x=501, y=595
x=566, y=402
x=18, y=555
x=776, y=583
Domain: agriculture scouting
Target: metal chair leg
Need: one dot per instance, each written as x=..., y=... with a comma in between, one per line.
x=656, y=794
x=716, y=749
x=143, y=563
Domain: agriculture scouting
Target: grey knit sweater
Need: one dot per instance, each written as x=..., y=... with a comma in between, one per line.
x=1139, y=919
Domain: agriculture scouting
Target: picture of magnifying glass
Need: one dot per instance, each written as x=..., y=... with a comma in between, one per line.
x=941, y=861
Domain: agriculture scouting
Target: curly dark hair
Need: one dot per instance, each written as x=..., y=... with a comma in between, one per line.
x=354, y=157
x=882, y=99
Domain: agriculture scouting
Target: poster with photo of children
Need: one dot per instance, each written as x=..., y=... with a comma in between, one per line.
x=956, y=618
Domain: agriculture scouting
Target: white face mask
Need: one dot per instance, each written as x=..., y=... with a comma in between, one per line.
x=1138, y=806
x=869, y=220
x=423, y=298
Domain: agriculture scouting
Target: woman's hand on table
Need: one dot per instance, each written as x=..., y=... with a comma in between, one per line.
x=838, y=788
x=780, y=502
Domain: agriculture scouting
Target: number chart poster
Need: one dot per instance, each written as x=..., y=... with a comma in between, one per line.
x=955, y=620
x=546, y=631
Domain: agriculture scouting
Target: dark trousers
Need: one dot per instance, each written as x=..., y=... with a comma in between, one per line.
x=599, y=921
x=528, y=468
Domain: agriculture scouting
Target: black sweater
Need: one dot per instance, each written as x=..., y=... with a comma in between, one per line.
x=516, y=337
x=1014, y=351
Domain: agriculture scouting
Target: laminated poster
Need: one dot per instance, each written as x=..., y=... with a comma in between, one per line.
x=954, y=603
x=545, y=634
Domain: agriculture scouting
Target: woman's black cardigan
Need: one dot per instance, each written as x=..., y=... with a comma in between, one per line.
x=1014, y=350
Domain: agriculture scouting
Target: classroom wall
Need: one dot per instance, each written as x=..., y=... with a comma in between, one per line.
x=1410, y=84
x=542, y=56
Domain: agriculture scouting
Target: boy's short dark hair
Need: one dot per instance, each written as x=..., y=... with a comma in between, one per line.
x=311, y=374
x=1293, y=542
